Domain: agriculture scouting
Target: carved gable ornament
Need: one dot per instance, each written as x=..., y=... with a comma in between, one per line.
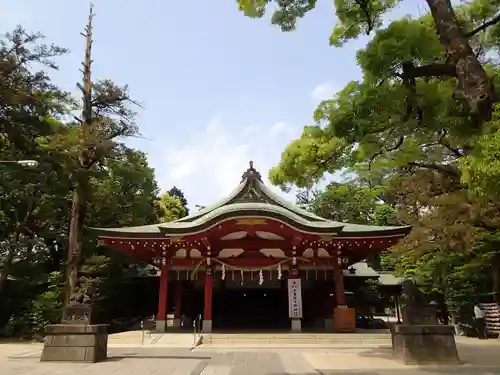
x=251, y=194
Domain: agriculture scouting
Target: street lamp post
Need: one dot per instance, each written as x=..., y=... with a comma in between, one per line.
x=24, y=163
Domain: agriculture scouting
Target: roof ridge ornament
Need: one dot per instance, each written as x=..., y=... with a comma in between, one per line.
x=251, y=173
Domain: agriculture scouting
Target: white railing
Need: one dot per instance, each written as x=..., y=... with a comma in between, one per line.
x=148, y=325
x=196, y=329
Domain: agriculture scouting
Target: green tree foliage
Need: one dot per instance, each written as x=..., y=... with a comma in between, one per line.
x=481, y=168
x=171, y=208
x=28, y=102
x=357, y=203
x=28, y=98
x=46, y=307
x=371, y=121
x=457, y=30
x=176, y=192
x=125, y=193
x=36, y=203
x=416, y=129
x=347, y=202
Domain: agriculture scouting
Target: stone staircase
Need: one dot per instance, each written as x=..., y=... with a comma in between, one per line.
x=147, y=339
x=339, y=340
x=492, y=316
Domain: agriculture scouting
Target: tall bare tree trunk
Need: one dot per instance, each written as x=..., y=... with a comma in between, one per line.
x=80, y=192
x=474, y=84
x=78, y=209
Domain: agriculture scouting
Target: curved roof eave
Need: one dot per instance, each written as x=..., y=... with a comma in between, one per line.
x=251, y=209
x=374, y=230
x=140, y=231
x=215, y=206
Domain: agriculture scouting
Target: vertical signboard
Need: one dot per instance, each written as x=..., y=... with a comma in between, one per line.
x=294, y=298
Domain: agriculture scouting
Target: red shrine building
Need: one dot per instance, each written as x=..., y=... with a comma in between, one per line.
x=253, y=260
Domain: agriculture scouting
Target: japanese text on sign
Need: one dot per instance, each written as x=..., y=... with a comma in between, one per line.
x=294, y=298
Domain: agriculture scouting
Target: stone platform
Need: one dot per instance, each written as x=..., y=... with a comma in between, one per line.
x=277, y=339
x=75, y=343
x=480, y=357
x=424, y=344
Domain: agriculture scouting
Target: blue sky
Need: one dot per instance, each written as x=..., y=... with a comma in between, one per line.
x=218, y=89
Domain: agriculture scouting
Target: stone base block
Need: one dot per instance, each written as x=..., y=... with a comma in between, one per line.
x=296, y=325
x=75, y=343
x=206, y=326
x=173, y=323
x=424, y=344
x=161, y=326
x=328, y=324
x=420, y=315
x=344, y=319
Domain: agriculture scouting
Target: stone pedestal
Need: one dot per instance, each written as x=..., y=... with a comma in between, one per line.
x=420, y=315
x=75, y=343
x=206, y=326
x=328, y=324
x=161, y=326
x=173, y=322
x=344, y=319
x=424, y=344
x=296, y=325
x=76, y=339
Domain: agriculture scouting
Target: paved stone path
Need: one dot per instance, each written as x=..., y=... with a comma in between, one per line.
x=481, y=358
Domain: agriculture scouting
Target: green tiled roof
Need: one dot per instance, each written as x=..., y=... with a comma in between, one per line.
x=144, y=230
x=362, y=269
x=251, y=198
x=264, y=192
x=208, y=209
x=140, y=229
x=356, y=229
x=251, y=209
x=389, y=279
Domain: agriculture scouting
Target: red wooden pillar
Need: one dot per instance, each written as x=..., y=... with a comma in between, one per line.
x=207, y=306
x=162, y=300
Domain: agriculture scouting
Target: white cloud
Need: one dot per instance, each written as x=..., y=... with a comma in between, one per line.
x=323, y=91
x=280, y=128
x=208, y=165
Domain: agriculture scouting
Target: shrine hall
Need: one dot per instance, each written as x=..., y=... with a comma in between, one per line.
x=253, y=261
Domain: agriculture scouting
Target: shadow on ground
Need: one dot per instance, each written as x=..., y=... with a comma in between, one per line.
x=413, y=371
x=117, y=354
x=119, y=358
x=473, y=360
